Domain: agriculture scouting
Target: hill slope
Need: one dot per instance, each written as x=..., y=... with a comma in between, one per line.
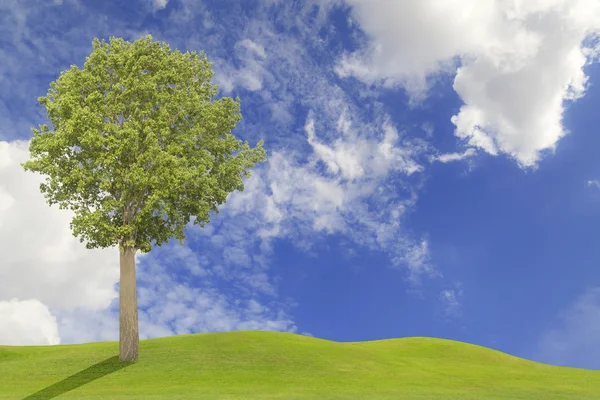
x=254, y=365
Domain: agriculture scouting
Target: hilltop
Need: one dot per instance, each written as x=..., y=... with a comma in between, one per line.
x=254, y=365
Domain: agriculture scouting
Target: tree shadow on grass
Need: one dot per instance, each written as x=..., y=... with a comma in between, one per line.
x=81, y=378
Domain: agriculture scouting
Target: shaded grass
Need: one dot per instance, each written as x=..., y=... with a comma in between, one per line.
x=270, y=365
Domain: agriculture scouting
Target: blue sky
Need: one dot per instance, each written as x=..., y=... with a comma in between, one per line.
x=431, y=172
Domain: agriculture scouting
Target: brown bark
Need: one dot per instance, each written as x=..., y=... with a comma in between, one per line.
x=129, y=334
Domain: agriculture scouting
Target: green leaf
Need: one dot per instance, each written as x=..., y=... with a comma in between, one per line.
x=137, y=145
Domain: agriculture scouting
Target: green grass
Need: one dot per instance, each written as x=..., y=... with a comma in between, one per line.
x=252, y=365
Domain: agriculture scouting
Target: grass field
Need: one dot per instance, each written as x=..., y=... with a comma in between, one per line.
x=252, y=365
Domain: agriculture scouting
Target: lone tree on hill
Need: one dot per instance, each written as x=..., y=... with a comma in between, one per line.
x=137, y=149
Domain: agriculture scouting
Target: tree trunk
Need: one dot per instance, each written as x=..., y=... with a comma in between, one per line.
x=129, y=334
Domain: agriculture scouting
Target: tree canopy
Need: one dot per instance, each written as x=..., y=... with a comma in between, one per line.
x=137, y=147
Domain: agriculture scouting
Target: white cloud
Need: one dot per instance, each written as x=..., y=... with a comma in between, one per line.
x=354, y=157
x=254, y=48
x=451, y=300
x=449, y=157
x=167, y=301
x=577, y=341
x=590, y=183
x=159, y=4
x=428, y=129
x=520, y=62
x=42, y=261
x=41, y=258
x=417, y=258
x=303, y=201
x=249, y=76
x=27, y=322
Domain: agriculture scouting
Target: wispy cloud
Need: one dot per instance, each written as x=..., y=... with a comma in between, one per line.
x=249, y=75
x=349, y=154
x=299, y=202
x=427, y=128
x=160, y=4
x=449, y=157
x=593, y=183
x=451, y=299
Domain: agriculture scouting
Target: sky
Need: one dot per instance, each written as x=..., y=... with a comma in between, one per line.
x=432, y=170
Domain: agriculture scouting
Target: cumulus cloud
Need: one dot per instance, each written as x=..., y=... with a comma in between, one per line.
x=576, y=341
x=45, y=269
x=27, y=322
x=519, y=62
x=41, y=258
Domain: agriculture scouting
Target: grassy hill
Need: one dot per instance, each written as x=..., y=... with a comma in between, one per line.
x=252, y=365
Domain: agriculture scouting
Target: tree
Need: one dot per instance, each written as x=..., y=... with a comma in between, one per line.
x=138, y=148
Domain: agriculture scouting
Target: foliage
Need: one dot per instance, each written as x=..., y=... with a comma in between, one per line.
x=137, y=147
